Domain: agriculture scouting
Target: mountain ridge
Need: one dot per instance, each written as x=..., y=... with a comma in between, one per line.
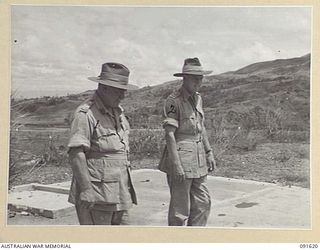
x=280, y=87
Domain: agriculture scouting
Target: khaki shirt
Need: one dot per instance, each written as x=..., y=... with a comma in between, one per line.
x=99, y=129
x=104, y=135
x=185, y=113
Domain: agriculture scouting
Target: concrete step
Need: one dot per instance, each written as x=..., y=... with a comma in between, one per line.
x=46, y=200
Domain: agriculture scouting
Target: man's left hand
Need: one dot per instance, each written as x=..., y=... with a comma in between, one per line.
x=211, y=162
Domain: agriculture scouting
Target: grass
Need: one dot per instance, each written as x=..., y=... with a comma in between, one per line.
x=40, y=156
x=264, y=164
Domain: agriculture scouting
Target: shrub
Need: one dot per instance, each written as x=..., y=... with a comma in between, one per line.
x=146, y=143
x=282, y=156
x=54, y=101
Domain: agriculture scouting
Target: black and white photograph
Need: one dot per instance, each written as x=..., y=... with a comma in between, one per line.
x=160, y=116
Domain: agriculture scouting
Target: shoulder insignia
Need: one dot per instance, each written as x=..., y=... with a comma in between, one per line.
x=170, y=106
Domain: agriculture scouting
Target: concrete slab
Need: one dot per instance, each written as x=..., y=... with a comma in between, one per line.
x=236, y=203
x=46, y=200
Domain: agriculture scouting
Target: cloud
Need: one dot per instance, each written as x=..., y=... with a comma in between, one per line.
x=68, y=44
x=256, y=52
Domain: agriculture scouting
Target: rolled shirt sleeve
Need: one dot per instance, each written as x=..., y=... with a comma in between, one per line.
x=171, y=113
x=80, y=134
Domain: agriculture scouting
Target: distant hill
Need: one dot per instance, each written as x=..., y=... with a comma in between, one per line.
x=260, y=93
x=272, y=93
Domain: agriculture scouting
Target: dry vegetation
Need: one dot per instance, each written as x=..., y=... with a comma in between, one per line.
x=40, y=155
x=257, y=120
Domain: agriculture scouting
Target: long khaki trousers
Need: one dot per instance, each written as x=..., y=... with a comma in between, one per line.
x=190, y=202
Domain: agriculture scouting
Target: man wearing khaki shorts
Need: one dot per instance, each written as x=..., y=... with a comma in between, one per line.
x=101, y=188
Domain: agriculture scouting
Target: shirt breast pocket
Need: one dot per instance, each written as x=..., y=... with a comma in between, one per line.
x=105, y=181
x=188, y=122
x=108, y=140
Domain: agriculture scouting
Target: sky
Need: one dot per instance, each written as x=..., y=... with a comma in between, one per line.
x=55, y=48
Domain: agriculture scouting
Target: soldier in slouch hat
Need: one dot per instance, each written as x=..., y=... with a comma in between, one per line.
x=101, y=187
x=188, y=156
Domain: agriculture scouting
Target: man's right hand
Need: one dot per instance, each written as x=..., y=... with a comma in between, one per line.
x=87, y=198
x=178, y=173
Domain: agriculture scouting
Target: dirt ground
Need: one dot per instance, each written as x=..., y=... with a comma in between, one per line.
x=285, y=163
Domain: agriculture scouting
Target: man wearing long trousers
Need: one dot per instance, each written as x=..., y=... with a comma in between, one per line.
x=188, y=156
x=101, y=187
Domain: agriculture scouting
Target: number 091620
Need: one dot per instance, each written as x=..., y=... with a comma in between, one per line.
x=305, y=246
